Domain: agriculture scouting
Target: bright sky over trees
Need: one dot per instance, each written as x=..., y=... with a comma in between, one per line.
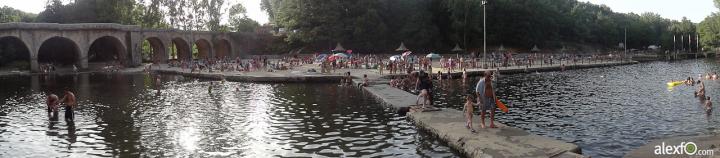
x=695, y=10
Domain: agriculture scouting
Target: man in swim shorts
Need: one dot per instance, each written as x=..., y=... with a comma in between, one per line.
x=485, y=94
x=70, y=105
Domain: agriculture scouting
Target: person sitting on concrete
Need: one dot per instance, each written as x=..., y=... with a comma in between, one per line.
x=365, y=81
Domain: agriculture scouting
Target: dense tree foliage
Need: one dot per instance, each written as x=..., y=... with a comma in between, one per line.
x=380, y=25
x=8, y=14
x=709, y=30
x=440, y=24
x=204, y=15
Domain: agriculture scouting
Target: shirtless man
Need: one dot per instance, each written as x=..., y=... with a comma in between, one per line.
x=70, y=105
x=701, y=91
x=708, y=105
x=485, y=93
x=52, y=103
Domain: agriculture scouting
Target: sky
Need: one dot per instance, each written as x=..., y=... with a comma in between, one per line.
x=695, y=10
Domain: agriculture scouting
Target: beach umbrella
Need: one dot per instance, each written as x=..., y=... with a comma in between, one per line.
x=321, y=57
x=406, y=53
x=457, y=48
x=339, y=48
x=333, y=58
x=535, y=49
x=433, y=56
x=395, y=57
x=341, y=55
x=402, y=47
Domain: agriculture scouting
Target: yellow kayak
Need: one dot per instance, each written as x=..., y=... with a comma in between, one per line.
x=671, y=84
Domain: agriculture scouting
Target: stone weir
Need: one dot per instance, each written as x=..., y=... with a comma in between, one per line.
x=259, y=77
x=449, y=125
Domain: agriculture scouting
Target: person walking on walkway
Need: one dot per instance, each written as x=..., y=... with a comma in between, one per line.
x=485, y=93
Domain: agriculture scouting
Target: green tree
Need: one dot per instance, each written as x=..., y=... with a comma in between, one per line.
x=709, y=30
x=239, y=22
x=9, y=14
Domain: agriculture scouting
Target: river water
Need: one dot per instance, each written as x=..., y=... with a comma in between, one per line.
x=124, y=115
x=606, y=111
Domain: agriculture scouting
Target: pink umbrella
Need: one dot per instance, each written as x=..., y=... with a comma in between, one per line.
x=332, y=58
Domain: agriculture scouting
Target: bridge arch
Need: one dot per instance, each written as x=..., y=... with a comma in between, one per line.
x=14, y=53
x=202, y=49
x=107, y=49
x=59, y=51
x=154, y=50
x=223, y=48
x=181, y=49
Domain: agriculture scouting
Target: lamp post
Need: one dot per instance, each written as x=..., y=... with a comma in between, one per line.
x=484, y=2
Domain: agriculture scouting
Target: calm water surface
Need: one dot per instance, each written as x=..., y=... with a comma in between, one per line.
x=124, y=115
x=606, y=111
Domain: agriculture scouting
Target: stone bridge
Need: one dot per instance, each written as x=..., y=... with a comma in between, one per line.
x=88, y=43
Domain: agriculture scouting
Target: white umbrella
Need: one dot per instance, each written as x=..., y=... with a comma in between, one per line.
x=395, y=57
x=342, y=55
x=407, y=53
x=433, y=56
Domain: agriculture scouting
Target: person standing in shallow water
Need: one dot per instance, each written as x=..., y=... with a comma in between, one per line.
x=708, y=106
x=70, y=104
x=485, y=94
x=52, y=109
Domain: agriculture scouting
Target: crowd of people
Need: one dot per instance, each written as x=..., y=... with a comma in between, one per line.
x=700, y=93
x=238, y=64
